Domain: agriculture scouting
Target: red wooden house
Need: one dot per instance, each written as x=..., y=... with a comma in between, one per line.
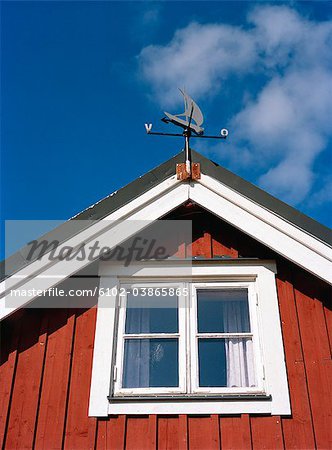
x=236, y=356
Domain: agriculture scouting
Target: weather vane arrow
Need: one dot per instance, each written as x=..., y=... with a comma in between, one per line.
x=190, y=121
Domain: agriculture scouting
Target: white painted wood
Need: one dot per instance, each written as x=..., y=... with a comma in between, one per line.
x=223, y=270
x=271, y=341
x=198, y=407
x=264, y=232
x=103, y=351
x=270, y=217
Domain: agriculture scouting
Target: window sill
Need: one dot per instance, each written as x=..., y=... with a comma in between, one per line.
x=191, y=397
x=194, y=405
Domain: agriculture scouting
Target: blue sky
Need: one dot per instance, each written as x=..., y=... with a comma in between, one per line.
x=79, y=79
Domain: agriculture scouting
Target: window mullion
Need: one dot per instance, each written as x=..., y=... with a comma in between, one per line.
x=193, y=357
x=187, y=306
x=183, y=348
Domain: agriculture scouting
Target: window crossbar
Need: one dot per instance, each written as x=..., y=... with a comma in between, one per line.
x=224, y=335
x=151, y=335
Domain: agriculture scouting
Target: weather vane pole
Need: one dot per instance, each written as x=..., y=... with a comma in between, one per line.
x=190, y=121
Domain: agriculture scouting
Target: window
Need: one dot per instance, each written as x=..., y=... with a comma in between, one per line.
x=204, y=339
x=224, y=336
x=160, y=324
x=151, y=341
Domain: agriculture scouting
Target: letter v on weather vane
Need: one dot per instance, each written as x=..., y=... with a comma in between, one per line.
x=190, y=121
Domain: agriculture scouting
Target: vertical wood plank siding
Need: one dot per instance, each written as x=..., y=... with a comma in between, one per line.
x=46, y=359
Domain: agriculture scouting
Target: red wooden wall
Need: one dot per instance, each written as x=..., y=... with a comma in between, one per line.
x=46, y=359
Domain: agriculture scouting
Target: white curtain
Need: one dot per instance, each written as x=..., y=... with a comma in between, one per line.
x=239, y=351
x=137, y=351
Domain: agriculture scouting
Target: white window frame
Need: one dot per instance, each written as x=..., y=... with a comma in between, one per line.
x=254, y=334
x=180, y=335
x=260, y=274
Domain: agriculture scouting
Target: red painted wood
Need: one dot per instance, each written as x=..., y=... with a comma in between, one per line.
x=25, y=396
x=202, y=433
x=116, y=432
x=101, y=438
x=219, y=249
x=235, y=433
x=201, y=246
x=297, y=430
x=153, y=431
x=328, y=320
x=80, y=430
x=168, y=433
x=318, y=364
x=181, y=253
x=183, y=432
x=10, y=333
x=181, y=243
x=215, y=424
x=111, y=433
x=137, y=436
x=266, y=433
x=51, y=417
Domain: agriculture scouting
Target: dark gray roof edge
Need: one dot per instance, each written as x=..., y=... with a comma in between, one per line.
x=131, y=191
x=264, y=199
x=150, y=179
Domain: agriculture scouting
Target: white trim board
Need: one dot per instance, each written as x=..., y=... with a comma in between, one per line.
x=267, y=216
x=263, y=225
x=267, y=228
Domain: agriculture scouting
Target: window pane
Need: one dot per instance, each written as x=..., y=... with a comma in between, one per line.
x=151, y=314
x=212, y=362
x=226, y=363
x=223, y=311
x=150, y=363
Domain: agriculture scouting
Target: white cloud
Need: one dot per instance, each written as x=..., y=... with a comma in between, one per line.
x=288, y=124
x=322, y=195
x=285, y=38
x=198, y=57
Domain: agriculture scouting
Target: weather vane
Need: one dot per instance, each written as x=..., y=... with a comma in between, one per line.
x=190, y=121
